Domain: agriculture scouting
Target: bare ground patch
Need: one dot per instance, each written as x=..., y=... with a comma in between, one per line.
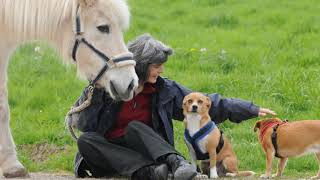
x=41, y=152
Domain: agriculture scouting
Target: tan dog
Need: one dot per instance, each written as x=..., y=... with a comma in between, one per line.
x=292, y=139
x=224, y=163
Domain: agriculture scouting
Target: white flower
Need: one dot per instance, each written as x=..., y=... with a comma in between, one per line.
x=37, y=49
x=203, y=49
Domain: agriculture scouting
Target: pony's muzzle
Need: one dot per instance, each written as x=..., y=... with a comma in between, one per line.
x=131, y=86
x=122, y=95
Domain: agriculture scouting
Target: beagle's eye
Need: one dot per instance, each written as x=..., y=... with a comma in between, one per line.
x=104, y=28
x=190, y=101
x=200, y=101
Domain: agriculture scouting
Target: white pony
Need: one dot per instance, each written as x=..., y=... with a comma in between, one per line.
x=91, y=31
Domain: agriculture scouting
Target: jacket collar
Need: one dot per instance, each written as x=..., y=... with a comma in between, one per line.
x=165, y=89
x=160, y=83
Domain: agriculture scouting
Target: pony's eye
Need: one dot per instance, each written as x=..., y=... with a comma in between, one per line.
x=104, y=28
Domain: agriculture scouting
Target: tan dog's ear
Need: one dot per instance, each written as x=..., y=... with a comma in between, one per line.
x=185, y=99
x=209, y=102
x=257, y=126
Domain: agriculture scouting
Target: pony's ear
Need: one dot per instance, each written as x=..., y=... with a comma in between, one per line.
x=86, y=3
x=257, y=126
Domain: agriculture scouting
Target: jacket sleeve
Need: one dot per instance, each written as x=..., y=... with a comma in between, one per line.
x=236, y=110
x=88, y=118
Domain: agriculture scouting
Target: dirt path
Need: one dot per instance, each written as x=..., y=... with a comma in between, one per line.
x=52, y=176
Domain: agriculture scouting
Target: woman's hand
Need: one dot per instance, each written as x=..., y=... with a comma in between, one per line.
x=265, y=111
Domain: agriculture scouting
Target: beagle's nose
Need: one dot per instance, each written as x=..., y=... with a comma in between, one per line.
x=194, y=108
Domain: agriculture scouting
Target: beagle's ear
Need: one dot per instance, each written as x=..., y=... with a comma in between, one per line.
x=257, y=126
x=209, y=102
x=86, y=3
x=184, y=102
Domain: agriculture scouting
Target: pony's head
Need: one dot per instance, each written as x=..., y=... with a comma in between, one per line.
x=99, y=26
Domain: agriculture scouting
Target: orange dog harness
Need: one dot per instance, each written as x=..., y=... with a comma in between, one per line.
x=275, y=126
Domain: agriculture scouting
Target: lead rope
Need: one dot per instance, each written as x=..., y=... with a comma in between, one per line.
x=77, y=109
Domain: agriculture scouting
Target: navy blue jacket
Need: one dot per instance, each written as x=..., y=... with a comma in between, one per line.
x=101, y=114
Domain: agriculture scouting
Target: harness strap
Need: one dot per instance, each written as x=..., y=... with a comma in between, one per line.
x=78, y=25
x=274, y=140
x=221, y=143
x=205, y=130
x=103, y=56
x=77, y=42
x=102, y=71
x=74, y=50
x=99, y=53
x=123, y=58
x=193, y=140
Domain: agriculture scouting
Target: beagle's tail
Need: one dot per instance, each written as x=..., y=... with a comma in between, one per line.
x=241, y=174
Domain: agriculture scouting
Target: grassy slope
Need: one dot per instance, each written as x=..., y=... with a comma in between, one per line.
x=264, y=51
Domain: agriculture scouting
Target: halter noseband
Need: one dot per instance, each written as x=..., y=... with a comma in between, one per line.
x=110, y=62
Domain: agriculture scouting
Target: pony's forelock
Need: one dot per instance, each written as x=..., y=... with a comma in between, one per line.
x=119, y=10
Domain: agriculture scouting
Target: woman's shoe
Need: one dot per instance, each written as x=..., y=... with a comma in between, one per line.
x=153, y=172
x=180, y=168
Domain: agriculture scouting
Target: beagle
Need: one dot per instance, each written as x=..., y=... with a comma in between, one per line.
x=206, y=142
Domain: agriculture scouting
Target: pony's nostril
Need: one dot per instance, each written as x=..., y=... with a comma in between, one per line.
x=131, y=85
x=113, y=89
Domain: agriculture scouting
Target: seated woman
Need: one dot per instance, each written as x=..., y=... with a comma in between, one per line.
x=135, y=138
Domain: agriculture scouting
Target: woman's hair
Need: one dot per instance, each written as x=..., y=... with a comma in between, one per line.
x=147, y=50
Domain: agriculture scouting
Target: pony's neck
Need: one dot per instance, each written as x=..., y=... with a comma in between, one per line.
x=62, y=35
x=63, y=38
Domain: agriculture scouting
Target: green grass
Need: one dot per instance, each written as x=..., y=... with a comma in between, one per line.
x=264, y=51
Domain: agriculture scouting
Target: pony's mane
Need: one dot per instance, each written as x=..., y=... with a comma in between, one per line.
x=28, y=18
x=22, y=20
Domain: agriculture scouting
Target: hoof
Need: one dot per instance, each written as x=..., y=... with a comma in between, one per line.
x=16, y=172
x=275, y=176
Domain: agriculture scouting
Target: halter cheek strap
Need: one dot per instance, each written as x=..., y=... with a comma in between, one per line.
x=110, y=62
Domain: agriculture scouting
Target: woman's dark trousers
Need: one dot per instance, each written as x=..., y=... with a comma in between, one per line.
x=141, y=146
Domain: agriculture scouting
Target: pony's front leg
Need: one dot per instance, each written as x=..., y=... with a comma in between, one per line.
x=9, y=163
